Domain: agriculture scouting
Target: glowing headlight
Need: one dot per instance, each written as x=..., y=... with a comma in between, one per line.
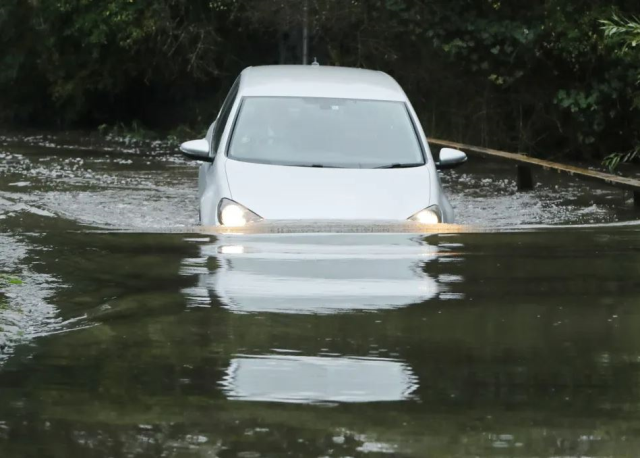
x=232, y=214
x=431, y=215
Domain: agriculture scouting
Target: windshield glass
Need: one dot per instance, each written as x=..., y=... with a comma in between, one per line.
x=323, y=132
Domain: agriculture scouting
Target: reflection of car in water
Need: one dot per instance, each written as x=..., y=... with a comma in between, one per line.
x=309, y=379
x=318, y=143
x=314, y=274
x=318, y=273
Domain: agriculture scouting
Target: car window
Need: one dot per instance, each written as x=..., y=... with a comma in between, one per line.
x=325, y=132
x=221, y=122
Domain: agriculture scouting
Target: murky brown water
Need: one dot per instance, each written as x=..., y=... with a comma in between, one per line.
x=154, y=342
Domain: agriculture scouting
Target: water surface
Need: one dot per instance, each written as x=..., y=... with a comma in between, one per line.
x=132, y=340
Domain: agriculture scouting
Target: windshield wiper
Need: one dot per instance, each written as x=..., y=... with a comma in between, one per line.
x=398, y=166
x=318, y=166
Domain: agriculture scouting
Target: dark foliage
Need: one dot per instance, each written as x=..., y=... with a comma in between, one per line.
x=539, y=77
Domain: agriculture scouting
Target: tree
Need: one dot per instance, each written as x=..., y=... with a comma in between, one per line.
x=538, y=78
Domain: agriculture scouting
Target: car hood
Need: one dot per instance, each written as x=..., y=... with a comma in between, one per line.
x=283, y=192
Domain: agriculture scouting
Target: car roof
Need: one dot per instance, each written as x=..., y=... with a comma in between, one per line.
x=319, y=81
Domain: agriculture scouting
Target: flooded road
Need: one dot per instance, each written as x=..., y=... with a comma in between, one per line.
x=133, y=334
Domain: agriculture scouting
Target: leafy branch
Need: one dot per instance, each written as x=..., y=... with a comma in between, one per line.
x=622, y=29
x=625, y=30
x=613, y=160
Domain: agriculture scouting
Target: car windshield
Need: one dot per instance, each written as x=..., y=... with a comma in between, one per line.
x=324, y=132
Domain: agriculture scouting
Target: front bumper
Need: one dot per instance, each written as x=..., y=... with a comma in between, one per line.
x=338, y=226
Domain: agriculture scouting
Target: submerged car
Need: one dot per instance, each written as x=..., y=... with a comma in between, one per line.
x=318, y=143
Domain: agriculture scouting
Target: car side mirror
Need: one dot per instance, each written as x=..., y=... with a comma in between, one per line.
x=197, y=150
x=450, y=158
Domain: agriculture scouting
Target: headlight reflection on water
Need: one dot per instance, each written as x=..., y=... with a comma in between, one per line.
x=231, y=249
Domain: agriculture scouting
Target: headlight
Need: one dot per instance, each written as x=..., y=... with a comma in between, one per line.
x=232, y=214
x=430, y=215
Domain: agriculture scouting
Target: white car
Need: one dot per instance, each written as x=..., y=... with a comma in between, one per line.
x=318, y=143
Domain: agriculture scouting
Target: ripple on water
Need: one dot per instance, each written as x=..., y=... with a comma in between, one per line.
x=486, y=194
x=25, y=310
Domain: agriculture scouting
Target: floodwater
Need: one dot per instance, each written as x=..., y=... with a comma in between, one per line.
x=133, y=333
